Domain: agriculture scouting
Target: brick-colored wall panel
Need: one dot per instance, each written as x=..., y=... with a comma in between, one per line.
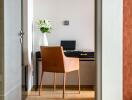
x=127, y=50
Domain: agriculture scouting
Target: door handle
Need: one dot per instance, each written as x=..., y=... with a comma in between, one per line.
x=21, y=36
x=21, y=33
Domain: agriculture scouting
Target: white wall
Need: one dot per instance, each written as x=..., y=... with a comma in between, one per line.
x=112, y=49
x=80, y=13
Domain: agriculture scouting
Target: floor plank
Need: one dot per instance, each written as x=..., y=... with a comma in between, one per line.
x=70, y=94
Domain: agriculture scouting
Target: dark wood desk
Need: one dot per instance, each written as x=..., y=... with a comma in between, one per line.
x=38, y=59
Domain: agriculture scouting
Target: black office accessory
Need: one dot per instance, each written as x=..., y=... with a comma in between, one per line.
x=68, y=44
x=66, y=22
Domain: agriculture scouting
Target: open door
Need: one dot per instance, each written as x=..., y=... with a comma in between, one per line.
x=12, y=50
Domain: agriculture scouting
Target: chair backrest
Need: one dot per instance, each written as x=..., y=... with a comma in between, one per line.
x=52, y=59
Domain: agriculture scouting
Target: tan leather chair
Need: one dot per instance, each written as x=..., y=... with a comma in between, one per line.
x=54, y=60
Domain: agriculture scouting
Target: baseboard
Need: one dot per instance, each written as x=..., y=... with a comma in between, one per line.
x=24, y=87
x=25, y=93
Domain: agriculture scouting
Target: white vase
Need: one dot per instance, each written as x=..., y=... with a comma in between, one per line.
x=43, y=40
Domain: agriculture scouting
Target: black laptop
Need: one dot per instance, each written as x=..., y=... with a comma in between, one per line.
x=68, y=45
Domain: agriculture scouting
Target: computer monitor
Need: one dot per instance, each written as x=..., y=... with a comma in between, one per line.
x=68, y=44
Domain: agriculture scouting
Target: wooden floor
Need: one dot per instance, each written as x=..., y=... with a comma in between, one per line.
x=70, y=94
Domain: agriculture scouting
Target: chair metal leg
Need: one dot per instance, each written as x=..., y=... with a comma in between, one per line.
x=79, y=80
x=41, y=83
x=64, y=80
x=54, y=81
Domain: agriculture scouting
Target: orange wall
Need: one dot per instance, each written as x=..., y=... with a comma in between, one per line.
x=127, y=50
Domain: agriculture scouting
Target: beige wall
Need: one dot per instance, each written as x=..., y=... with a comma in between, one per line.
x=1, y=49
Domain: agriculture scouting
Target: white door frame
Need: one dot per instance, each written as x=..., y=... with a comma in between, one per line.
x=98, y=48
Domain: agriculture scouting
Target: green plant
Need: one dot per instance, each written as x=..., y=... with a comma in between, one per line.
x=44, y=26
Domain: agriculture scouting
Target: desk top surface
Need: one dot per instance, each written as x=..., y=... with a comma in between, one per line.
x=78, y=54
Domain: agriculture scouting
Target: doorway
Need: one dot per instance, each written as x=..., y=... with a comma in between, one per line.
x=95, y=19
